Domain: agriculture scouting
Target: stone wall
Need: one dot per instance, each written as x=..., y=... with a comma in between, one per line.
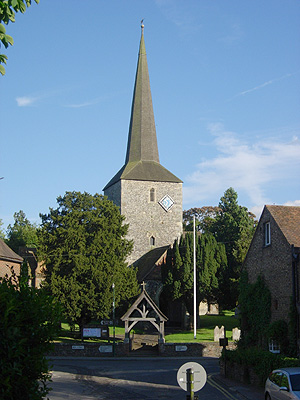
x=274, y=262
x=205, y=349
x=239, y=373
x=114, y=193
x=82, y=349
x=147, y=218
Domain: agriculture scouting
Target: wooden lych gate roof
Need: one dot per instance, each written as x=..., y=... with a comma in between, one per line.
x=144, y=310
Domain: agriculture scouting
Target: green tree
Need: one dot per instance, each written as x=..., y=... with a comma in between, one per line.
x=84, y=247
x=204, y=217
x=211, y=262
x=178, y=273
x=8, y=9
x=234, y=226
x=21, y=233
x=28, y=325
x=255, y=311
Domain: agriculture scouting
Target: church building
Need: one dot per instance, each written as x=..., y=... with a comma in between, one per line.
x=148, y=195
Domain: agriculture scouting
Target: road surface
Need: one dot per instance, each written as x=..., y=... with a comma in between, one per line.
x=130, y=379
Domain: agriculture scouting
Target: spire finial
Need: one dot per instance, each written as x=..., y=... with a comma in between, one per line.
x=142, y=25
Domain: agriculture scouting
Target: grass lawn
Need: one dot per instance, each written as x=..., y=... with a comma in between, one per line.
x=205, y=331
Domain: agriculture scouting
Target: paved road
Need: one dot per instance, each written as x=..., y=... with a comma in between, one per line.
x=130, y=379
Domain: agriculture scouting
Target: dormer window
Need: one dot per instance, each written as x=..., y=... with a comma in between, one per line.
x=152, y=195
x=267, y=240
x=152, y=241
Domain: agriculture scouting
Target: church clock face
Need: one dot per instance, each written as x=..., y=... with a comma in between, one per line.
x=166, y=202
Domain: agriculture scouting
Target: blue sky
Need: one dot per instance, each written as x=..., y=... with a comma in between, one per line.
x=224, y=75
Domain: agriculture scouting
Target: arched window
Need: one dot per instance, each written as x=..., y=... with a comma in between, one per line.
x=152, y=195
x=152, y=241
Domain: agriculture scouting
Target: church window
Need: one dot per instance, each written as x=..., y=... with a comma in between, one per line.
x=152, y=241
x=274, y=346
x=152, y=195
x=267, y=241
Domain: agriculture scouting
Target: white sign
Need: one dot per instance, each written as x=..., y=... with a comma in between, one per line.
x=77, y=347
x=107, y=322
x=105, y=349
x=200, y=376
x=180, y=348
x=92, y=332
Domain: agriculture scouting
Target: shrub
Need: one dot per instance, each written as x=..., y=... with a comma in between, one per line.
x=29, y=320
x=262, y=362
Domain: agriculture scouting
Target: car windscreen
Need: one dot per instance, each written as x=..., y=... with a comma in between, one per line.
x=295, y=382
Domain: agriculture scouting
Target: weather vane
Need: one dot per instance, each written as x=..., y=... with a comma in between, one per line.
x=142, y=25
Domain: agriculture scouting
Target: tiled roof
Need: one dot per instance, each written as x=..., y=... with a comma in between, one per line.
x=147, y=263
x=288, y=220
x=7, y=254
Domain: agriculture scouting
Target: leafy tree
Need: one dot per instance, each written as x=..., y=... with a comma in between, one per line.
x=28, y=324
x=255, y=311
x=84, y=247
x=234, y=226
x=212, y=261
x=8, y=9
x=204, y=217
x=21, y=233
x=178, y=273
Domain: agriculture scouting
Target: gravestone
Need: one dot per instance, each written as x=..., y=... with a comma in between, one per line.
x=218, y=333
x=236, y=334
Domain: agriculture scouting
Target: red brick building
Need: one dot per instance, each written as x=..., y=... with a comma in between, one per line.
x=8, y=259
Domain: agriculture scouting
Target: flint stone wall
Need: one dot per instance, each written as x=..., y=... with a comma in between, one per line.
x=205, y=349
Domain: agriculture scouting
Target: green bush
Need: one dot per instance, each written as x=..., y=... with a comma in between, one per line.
x=262, y=361
x=29, y=320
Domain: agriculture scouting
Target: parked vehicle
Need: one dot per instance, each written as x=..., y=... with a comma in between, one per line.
x=283, y=384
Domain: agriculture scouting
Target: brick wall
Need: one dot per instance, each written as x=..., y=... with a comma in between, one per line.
x=274, y=262
x=5, y=268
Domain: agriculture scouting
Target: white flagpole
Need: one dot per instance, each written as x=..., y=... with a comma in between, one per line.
x=195, y=302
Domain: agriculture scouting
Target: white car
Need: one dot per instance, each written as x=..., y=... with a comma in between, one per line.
x=283, y=384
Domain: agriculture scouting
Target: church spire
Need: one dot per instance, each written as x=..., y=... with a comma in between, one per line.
x=142, y=141
x=142, y=160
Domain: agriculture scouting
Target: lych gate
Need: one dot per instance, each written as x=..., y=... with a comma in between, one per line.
x=144, y=310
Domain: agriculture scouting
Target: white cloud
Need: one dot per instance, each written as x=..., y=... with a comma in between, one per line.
x=26, y=101
x=292, y=203
x=267, y=83
x=250, y=168
x=85, y=104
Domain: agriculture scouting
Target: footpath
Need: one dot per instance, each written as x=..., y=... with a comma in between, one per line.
x=237, y=389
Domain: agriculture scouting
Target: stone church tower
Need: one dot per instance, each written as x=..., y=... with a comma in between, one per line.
x=149, y=196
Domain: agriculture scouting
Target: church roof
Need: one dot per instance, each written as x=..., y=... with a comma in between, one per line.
x=148, y=266
x=142, y=159
x=288, y=220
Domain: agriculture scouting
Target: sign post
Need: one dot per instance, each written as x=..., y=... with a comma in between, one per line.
x=224, y=342
x=191, y=377
x=114, y=328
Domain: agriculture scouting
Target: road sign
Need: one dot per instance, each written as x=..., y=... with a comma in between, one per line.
x=200, y=376
x=107, y=322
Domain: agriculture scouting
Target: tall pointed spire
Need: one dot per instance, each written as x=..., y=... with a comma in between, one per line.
x=142, y=159
x=142, y=141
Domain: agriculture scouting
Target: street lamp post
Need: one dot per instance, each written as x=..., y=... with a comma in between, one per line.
x=114, y=329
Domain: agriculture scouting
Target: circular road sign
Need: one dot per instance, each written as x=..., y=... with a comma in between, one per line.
x=200, y=376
